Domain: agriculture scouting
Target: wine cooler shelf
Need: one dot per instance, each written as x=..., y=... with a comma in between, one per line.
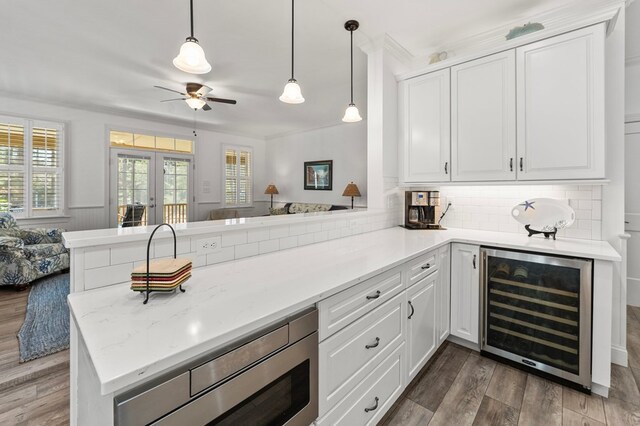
x=537, y=312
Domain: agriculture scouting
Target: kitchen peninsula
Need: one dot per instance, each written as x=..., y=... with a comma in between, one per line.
x=119, y=344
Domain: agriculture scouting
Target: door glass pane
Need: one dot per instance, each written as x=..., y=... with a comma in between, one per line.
x=176, y=189
x=167, y=144
x=133, y=191
x=144, y=141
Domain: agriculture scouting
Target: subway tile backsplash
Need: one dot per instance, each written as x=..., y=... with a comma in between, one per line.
x=489, y=207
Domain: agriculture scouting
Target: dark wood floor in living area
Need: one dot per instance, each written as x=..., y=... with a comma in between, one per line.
x=459, y=387
x=35, y=392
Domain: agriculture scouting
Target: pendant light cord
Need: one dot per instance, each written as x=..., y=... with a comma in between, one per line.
x=351, y=66
x=191, y=2
x=292, y=36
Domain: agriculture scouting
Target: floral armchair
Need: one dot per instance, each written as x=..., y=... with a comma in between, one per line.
x=28, y=254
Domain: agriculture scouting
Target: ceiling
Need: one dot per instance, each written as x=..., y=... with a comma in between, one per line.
x=96, y=53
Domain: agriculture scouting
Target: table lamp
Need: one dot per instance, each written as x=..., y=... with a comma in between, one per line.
x=271, y=189
x=351, y=191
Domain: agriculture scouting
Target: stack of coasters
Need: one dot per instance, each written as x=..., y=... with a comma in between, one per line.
x=164, y=275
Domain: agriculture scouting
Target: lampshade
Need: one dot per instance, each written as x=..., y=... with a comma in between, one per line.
x=292, y=93
x=271, y=189
x=195, y=103
x=351, y=115
x=351, y=191
x=191, y=58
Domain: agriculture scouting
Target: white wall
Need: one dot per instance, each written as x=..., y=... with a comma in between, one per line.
x=87, y=159
x=345, y=144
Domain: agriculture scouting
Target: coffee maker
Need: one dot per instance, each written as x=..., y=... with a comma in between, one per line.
x=422, y=210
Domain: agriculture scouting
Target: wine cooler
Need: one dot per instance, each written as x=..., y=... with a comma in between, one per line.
x=537, y=312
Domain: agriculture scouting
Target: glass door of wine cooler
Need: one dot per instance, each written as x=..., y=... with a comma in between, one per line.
x=537, y=312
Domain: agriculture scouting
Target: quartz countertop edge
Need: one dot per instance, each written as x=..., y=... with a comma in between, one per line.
x=129, y=342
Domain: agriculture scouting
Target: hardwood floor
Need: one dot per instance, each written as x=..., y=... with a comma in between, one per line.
x=459, y=387
x=36, y=392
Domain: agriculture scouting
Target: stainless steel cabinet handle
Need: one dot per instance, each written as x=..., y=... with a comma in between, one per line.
x=375, y=407
x=413, y=311
x=511, y=164
x=521, y=165
x=474, y=261
x=446, y=167
x=375, y=296
x=427, y=266
x=374, y=345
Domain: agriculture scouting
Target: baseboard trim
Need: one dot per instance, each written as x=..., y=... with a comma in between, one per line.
x=619, y=356
x=465, y=343
x=600, y=390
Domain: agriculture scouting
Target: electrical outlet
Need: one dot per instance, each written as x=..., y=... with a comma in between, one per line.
x=209, y=245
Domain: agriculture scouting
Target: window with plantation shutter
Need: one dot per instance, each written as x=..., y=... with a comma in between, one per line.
x=238, y=172
x=31, y=168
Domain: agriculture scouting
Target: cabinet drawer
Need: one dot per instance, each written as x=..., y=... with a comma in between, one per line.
x=348, y=356
x=422, y=266
x=376, y=393
x=342, y=309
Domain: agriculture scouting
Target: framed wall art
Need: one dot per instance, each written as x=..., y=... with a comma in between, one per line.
x=318, y=175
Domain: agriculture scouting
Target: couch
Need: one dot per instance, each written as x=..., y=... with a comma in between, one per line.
x=293, y=208
x=29, y=254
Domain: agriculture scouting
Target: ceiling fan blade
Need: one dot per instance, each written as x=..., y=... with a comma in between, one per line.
x=206, y=107
x=222, y=101
x=174, y=99
x=203, y=91
x=171, y=90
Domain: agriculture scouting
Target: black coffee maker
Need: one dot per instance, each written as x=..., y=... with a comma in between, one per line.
x=422, y=210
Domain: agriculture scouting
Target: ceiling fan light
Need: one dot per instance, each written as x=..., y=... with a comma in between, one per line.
x=351, y=115
x=195, y=103
x=191, y=58
x=292, y=93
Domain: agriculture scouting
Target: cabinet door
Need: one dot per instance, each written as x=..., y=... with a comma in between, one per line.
x=425, y=127
x=483, y=119
x=561, y=116
x=465, y=291
x=421, y=323
x=443, y=294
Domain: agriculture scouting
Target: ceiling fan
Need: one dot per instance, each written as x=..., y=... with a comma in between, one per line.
x=195, y=96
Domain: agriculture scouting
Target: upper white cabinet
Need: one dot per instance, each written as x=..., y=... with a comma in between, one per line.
x=483, y=119
x=424, y=103
x=561, y=99
x=536, y=112
x=465, y=291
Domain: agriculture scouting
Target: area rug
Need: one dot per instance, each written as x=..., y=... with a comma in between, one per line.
x=46, y=326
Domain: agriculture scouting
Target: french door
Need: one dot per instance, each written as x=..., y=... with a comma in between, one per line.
x=148, y=188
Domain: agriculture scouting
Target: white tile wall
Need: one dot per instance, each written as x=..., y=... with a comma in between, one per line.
x=489, y=207
x=107, y=265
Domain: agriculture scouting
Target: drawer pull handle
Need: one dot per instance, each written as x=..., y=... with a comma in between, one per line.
x=375, y=407
x=412, y=310
x=375, y=345
x=427, y=266
x=375, y=296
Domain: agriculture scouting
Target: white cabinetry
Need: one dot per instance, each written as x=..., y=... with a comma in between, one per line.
x=443, y=294
x=465, y=291
x=483, y=119
x=424, y=103
x=421, y=323
x=561, y=129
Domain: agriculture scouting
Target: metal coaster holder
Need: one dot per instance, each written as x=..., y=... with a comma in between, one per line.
x=175, y=252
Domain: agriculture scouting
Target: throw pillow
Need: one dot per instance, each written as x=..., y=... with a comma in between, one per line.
x=277, y=211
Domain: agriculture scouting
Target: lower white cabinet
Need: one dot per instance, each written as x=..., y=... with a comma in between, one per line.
x=421, y=323
x=465, y=292
x=443, y=294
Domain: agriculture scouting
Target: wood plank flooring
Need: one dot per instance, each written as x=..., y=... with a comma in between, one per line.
x=459, y=387
x=36, y=392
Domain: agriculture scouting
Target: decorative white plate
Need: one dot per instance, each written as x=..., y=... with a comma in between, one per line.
x=544, y=214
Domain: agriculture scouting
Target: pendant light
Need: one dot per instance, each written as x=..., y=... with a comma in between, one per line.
x=292, y=93
x=351, y=115
x=191, y=58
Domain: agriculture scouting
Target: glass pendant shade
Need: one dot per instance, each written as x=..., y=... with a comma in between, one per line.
x=351, y=115
x=191, y=58
x=195, y=103
x=292, y=93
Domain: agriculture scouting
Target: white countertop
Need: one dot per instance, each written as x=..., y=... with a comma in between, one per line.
x=129, y=342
